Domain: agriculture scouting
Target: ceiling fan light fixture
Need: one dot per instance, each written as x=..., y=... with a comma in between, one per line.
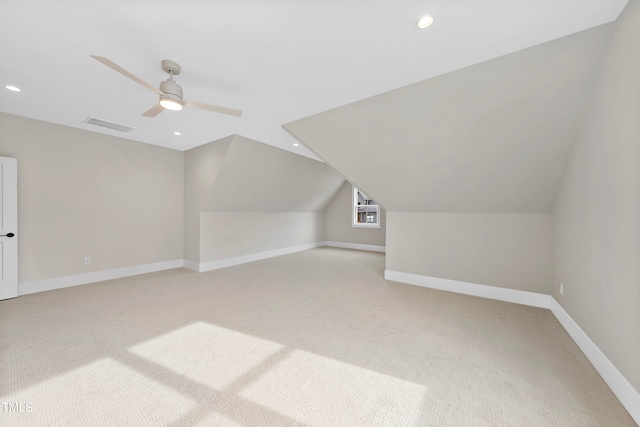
x=170, y=92
x=170, y=104
x=171, y=97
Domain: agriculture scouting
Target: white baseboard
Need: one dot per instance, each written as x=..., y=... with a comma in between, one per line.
x=356, y=246
x=116, y=273
x=96, y=276
x=243, y=259
x=624, y=391
x=492, y=292
x=191, y=265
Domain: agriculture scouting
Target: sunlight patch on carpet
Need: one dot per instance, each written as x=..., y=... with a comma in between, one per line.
x=207, y=354
x=317, y=390
x=104, y=392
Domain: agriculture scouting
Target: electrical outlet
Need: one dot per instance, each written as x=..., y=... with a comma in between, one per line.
x=87, y=261
x=232, y=249
x=561, y=289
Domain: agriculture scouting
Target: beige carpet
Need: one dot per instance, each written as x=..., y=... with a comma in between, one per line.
x=316, y=338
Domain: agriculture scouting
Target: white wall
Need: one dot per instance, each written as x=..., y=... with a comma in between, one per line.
x=84, y=194
x=597, y=213
x=505, y=250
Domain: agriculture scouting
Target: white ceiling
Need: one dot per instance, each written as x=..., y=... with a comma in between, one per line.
x=277, y=60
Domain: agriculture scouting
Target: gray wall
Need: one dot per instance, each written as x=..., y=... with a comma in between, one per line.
x=338, y=219
x=506, y=250
x=86, y=194
x=230, y=234
x=597, y=212
x=256, y=177
x=493, y=137
x=125, y=203
x=243, y=197
x=201, y=167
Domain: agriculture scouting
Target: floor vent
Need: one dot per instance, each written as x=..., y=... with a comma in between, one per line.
x=106, y=124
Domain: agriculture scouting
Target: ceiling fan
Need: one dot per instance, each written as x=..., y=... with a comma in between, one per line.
x=170, y=92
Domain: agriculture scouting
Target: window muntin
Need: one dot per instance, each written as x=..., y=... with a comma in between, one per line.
x=365, y=212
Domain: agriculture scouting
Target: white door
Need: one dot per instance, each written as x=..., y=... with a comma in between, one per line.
x=8, y=228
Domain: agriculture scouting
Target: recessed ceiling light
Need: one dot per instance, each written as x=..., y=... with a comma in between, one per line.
x=177, y=133
x=424, y=22
x=13, y=88
x=295, y=144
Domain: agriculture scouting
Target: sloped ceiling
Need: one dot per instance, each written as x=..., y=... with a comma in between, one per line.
x=256, y=177
x=492, y=137
x=278, y=60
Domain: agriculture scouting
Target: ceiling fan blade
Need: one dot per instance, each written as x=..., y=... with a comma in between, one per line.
x=213, y=108
x=125, y=73
x=153, y=111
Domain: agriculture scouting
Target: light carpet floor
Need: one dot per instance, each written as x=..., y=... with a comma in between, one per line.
x=316, y=338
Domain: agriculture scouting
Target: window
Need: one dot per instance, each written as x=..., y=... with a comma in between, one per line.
x=366, y=212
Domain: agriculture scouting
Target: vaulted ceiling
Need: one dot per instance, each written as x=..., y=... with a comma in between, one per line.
x=255, y=177
x=492, y=137
x=278, y=60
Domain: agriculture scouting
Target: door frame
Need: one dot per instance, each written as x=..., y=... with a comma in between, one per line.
x=9, y=224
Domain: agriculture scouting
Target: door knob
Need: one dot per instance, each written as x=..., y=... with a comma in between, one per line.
x=7, y=235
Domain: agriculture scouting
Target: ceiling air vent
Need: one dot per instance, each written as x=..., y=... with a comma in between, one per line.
x=109, y=125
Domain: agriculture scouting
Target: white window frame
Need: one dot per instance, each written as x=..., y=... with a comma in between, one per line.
x=354, y=210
